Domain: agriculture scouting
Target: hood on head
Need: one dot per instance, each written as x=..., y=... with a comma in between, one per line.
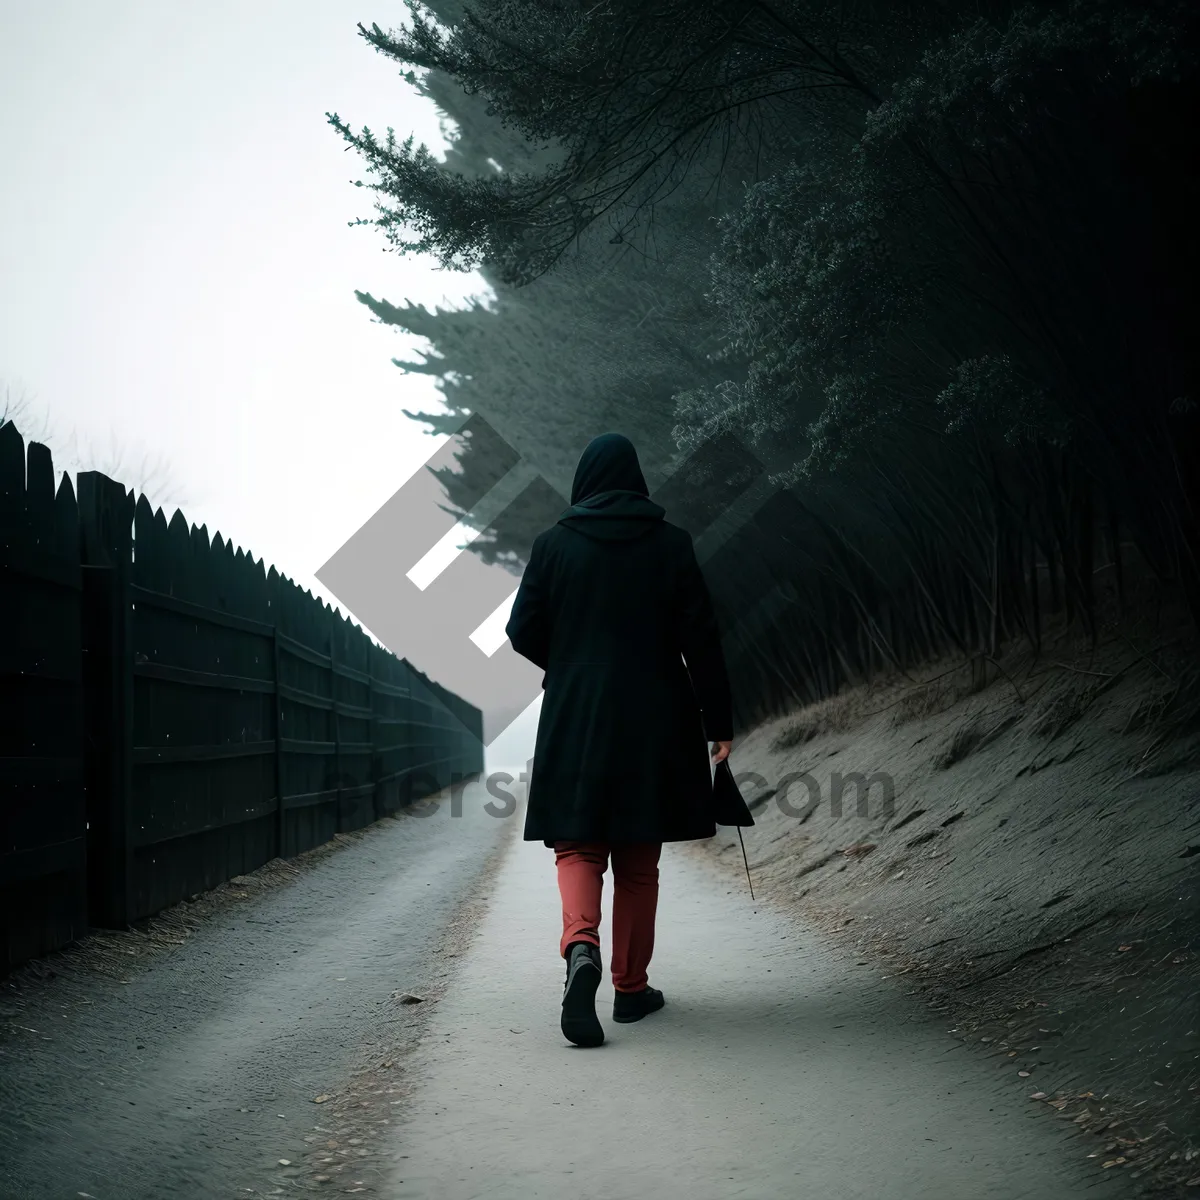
x=609, y=497
x=609, y=463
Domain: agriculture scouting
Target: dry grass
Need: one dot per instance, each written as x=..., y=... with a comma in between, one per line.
x=962, y=742
x=1173, y=708
x=930, y=699
x=897, y=696
x=1062, y=709
x=1148, y=710
x=833, y=715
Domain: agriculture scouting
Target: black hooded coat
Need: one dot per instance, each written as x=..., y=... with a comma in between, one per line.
x=611, y=606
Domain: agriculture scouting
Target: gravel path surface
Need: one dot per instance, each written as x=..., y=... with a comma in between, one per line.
x=198, y=1076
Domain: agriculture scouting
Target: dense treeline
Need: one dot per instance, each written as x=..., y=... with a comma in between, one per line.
x=933, y=267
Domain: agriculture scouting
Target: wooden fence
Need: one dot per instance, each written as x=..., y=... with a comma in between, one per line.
x=184, y=716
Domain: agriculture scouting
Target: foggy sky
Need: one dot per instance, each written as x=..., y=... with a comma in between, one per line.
x=177, y=274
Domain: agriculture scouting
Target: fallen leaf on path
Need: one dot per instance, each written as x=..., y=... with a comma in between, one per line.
x=1038, y=1096
x=409, y=998
x=1023, y=1074
x=285, y=1162
x=322, y=1098
x=1059, y=1104
x=1114, y=1162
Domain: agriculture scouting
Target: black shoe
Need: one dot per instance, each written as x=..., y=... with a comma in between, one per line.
x=633, y=1006
x=579, y=1021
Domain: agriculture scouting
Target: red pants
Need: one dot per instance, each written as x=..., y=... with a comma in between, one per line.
x=581, y=867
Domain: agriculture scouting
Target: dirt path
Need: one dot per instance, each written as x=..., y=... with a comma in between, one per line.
x=198, y=1076
x=782, y=1066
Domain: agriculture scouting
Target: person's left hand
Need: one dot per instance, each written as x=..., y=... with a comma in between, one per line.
x=720, y=751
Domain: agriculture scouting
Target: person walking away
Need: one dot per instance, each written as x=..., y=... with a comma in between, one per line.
x=614, y=609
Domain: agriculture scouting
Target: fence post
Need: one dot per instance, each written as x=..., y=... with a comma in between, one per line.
x=280, y=811
x=375, y=814
x=106, y=552
x=337, y=730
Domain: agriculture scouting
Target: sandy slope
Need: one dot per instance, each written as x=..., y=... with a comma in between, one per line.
x=1036, y=882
